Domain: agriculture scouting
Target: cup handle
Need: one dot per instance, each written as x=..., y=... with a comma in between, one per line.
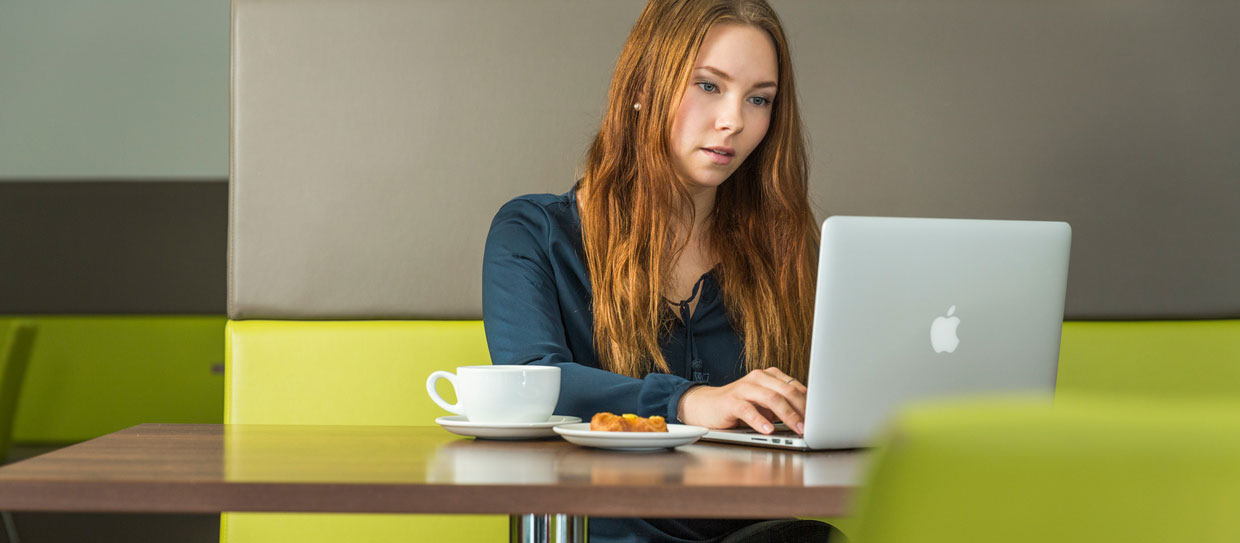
x=430, y=389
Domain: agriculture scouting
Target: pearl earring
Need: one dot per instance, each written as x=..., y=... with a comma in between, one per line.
x=637, y=106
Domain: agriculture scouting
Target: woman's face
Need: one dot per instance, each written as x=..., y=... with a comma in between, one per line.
x=726, y=107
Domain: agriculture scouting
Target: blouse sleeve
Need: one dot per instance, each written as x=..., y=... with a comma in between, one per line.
x=524, y=325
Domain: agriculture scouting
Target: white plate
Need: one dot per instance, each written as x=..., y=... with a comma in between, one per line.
x=676, y=435
x=503, y=430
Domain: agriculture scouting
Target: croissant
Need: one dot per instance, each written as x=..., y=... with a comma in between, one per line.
x=628, y=422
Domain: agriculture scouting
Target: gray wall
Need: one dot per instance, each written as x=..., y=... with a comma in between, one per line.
x=115, y=89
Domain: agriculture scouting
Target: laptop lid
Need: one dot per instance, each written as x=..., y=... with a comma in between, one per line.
x=909, y=309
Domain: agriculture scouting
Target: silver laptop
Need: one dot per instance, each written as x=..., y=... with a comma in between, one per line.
x=911, y=309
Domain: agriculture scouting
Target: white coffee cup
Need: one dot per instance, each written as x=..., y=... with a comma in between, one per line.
x=500, y=393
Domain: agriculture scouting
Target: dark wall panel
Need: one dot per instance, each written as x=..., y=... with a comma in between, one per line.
x=149, y=247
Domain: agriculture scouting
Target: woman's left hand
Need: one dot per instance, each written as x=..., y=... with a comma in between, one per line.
x=754, y=399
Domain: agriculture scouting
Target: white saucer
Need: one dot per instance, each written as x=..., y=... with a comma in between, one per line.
x=459, y=425
x=676, y=435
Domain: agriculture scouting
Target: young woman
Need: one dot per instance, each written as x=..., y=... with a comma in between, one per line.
x=676, y=278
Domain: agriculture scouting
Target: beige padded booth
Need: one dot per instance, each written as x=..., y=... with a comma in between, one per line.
x=373, y=140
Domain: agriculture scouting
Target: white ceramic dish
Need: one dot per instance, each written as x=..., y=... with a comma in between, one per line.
x=457, y=424
x=676, y=435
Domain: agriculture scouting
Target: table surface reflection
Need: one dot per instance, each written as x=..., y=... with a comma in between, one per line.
x=399, y=469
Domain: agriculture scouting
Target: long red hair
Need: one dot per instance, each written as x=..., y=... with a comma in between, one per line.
x=762, y=228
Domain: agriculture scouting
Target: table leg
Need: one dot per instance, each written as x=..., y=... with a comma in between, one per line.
x=571, y=529
x=547, y=529
x=528, y=529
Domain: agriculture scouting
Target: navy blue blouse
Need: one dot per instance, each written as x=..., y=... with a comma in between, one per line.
x=536, y=310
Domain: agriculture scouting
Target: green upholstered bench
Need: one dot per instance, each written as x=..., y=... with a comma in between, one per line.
x=347, y=372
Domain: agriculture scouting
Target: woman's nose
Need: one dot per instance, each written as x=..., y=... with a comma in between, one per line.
x=729, y=117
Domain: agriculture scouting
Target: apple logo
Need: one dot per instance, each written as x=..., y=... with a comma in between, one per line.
x=943, y=332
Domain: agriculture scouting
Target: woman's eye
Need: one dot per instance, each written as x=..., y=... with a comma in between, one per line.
x=707, y=86
x=760, y=101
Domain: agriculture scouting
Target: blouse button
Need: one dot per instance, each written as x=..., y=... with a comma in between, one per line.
x=697, y=364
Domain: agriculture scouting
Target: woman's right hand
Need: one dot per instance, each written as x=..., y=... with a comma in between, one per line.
x=754, y=399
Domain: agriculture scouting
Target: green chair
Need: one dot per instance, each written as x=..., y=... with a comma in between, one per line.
x=14, y=357
x=346, y=372
x=1096, y=470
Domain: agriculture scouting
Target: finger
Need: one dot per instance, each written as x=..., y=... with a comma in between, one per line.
x=777, y=404
x=773, y=379
x=782, y=377
x=748, y=413
x=802, y=388
x=770, y=415
x=794, y=392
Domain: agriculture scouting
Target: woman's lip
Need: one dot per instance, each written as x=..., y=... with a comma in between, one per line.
x=722, y=160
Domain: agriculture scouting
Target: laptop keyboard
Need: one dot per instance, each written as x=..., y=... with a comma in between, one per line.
x=780, y=431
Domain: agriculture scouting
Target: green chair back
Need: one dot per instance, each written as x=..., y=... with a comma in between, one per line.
x=347, y=372
x=14, y=357
x=91, y=375
x=1080, y=471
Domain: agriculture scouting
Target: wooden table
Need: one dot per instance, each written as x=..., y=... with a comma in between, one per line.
x=201, y=468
